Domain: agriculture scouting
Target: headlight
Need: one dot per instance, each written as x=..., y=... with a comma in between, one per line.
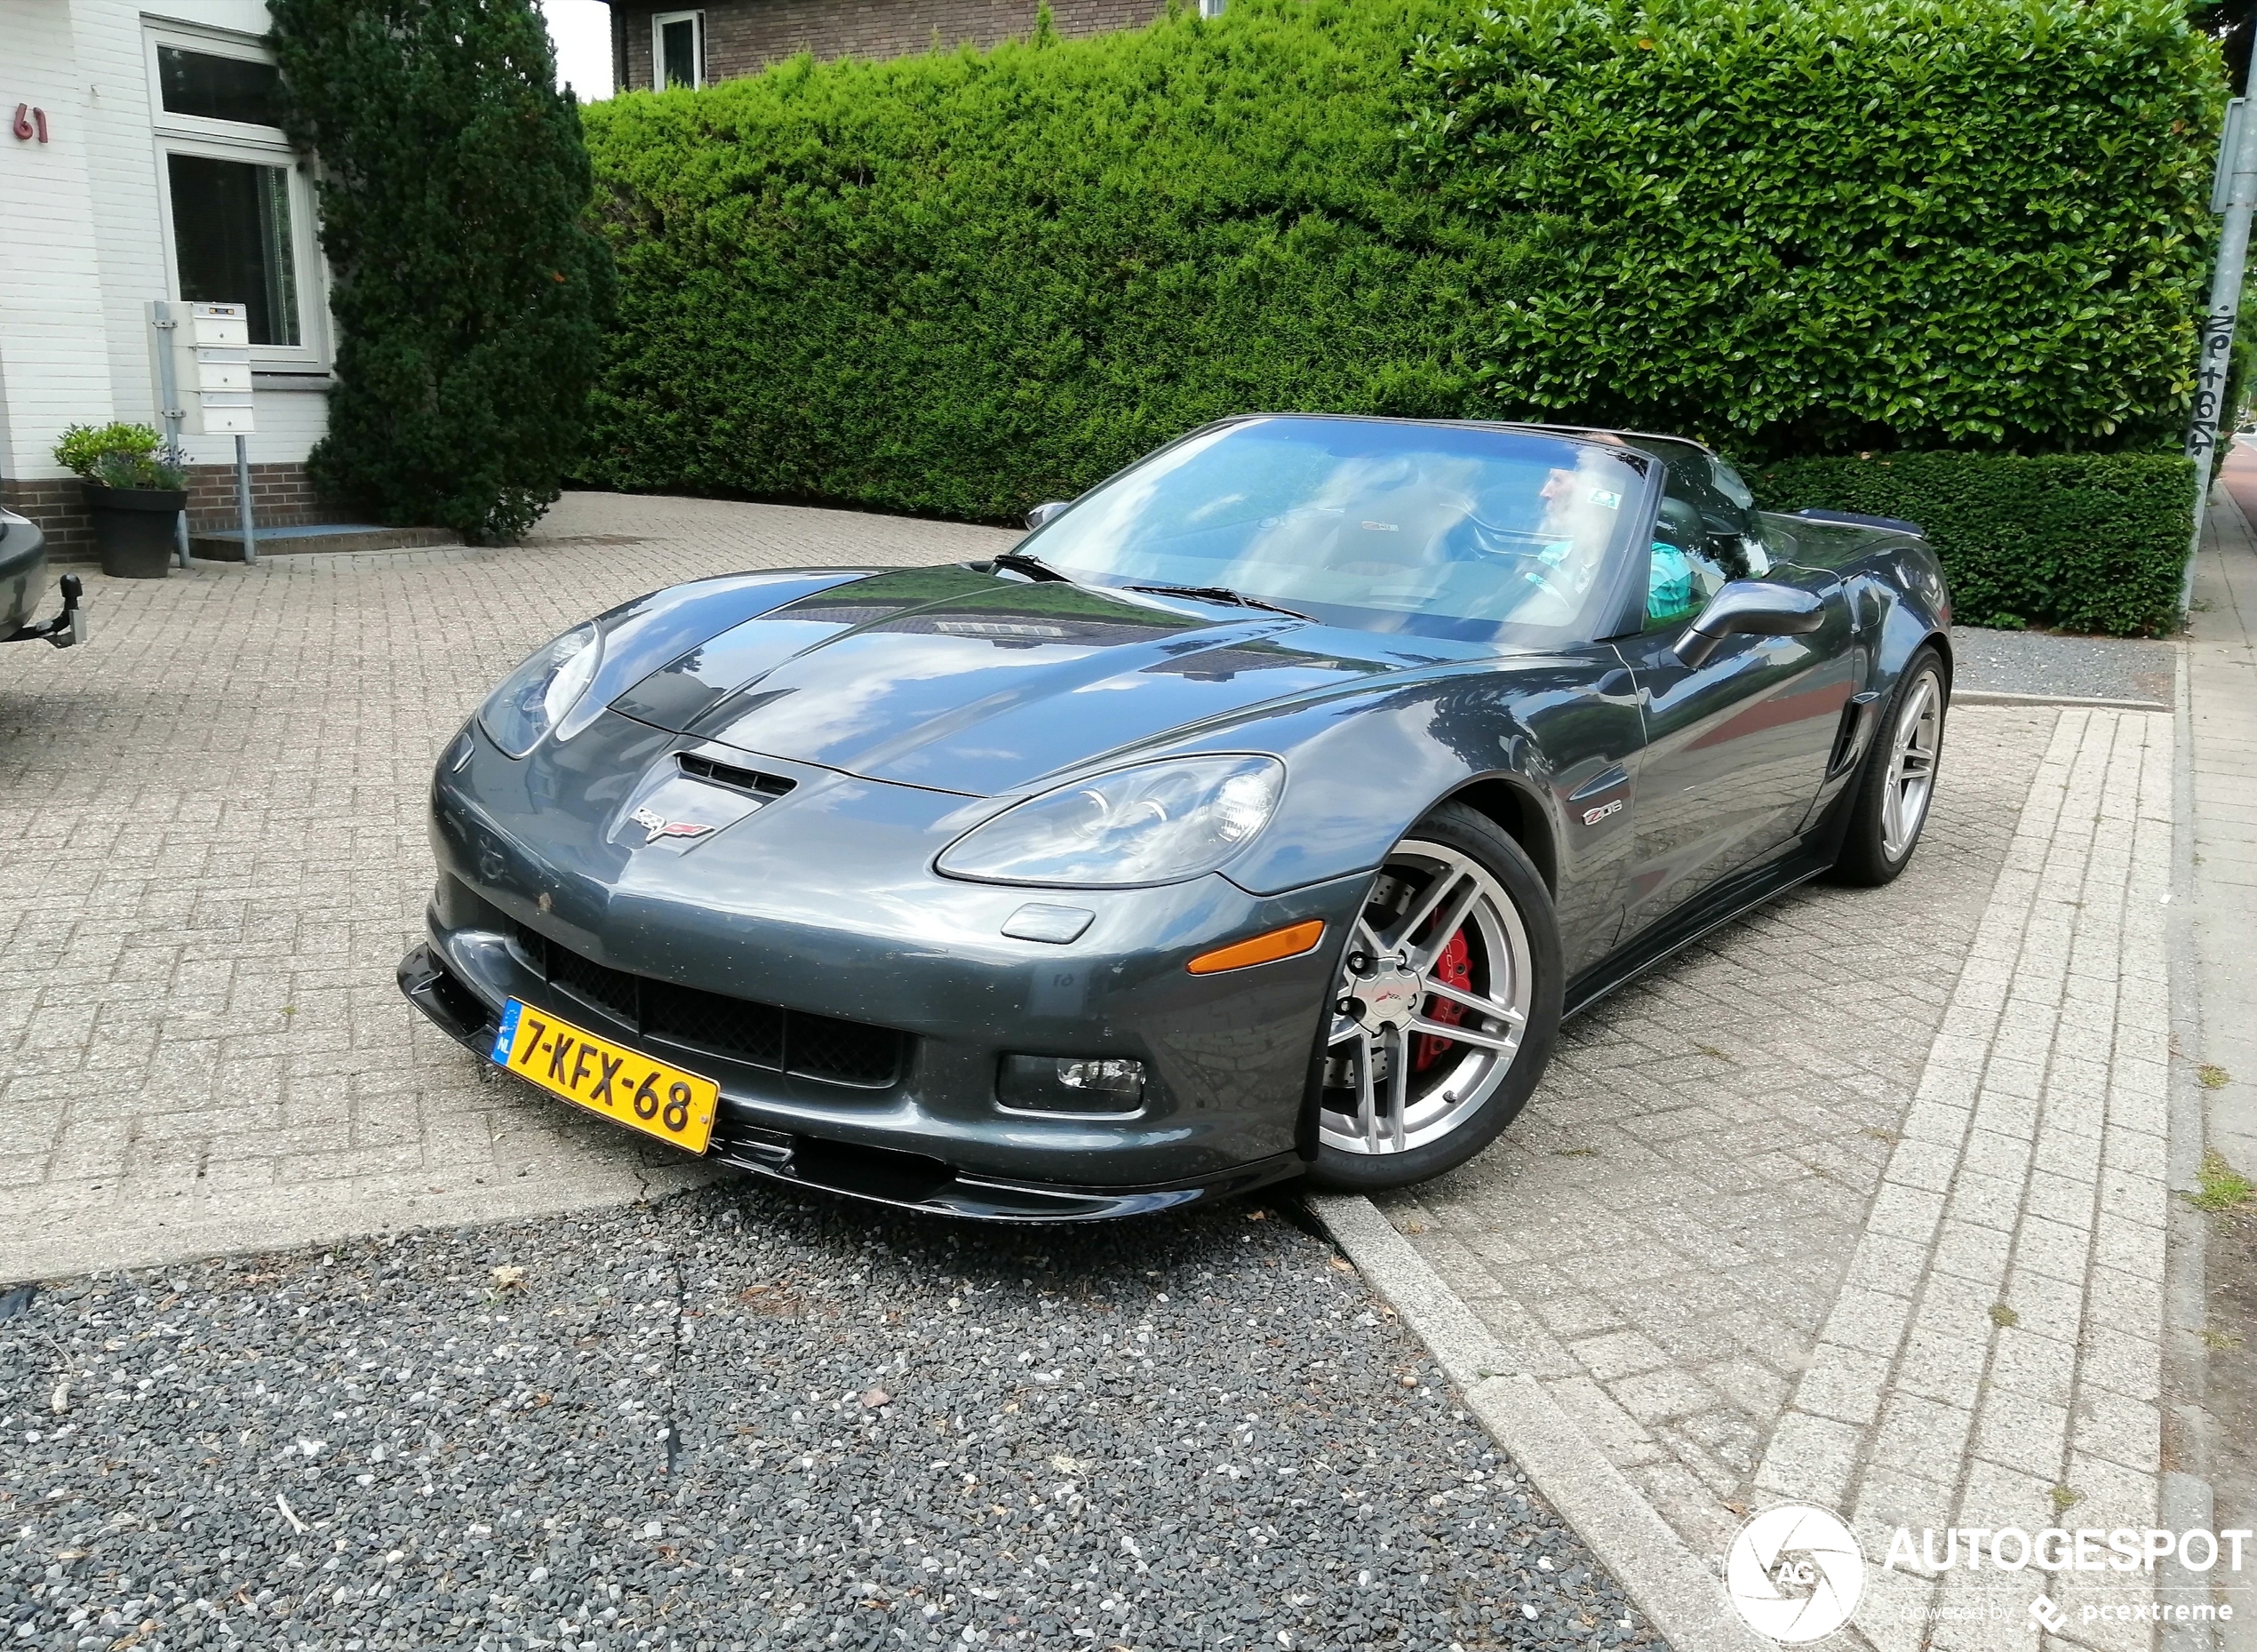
x=532, y=698
x=1153, y=824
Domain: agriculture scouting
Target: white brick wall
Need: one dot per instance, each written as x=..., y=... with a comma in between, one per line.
x=53, y=358
x=84, y=223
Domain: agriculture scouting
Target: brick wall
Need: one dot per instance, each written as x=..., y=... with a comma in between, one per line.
x=281, y=496
x=743, y=36
x=55, y=504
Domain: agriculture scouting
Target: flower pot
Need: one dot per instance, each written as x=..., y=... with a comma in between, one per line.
x=133, y=528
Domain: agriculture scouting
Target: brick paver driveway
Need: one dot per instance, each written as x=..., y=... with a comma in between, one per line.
x=215, y=820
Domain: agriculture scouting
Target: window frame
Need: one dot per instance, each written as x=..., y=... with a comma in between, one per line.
x=241, y=141
x=696, y=19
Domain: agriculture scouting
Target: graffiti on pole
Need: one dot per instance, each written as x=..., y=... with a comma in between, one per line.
x=2216, y=331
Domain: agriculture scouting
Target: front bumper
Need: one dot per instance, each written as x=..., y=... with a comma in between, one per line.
x=888, y=1175
x=849, y=1001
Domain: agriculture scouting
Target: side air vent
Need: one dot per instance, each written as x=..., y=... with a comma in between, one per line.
x=765, y=787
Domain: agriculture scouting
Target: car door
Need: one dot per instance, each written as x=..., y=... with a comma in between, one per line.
x=1590, y=732
x=1735, y=747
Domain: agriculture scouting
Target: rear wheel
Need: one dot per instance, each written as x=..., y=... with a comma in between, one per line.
x=1898, y=781
x=1446, y=1008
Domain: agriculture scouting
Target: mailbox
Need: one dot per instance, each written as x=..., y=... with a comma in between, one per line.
x=202, y=357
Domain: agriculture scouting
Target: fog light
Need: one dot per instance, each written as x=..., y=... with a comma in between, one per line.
x=1119, y=1078
x=1070, y=1084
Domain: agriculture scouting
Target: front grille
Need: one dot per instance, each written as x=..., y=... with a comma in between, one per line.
x=606, y=989
x=759, y=1036
x=842, y=1051
x=743, y=1031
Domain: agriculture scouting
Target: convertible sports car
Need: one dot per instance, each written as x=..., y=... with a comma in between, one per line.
x=1260, y=815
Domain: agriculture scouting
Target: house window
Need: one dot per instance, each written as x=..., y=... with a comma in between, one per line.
x=238, y=209
x=232, y=240
x=678, y=49
x=216, y=88
x=1210, y=8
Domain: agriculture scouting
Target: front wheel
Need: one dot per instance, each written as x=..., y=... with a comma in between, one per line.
x=1446, y=1008
x=1898, y=779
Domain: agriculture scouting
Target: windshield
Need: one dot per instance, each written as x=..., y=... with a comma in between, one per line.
x=1426, y=529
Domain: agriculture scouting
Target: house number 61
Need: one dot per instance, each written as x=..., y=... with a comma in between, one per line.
x=31, y=123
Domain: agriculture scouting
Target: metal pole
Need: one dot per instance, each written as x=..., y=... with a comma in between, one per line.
x=168, y=410
x=243, y=498
x=2234, y=193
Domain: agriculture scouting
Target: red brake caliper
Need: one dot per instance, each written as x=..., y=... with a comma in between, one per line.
x=1451, y=968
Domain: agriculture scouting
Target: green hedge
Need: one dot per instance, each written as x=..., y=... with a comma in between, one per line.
x=2086, y=542
x=960, y=284
x=1815, y=226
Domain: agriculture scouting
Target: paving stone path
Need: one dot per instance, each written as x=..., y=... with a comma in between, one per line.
x=216, y=853
x=1994, y=1358
x=1661, y=1235
x=1872, y=1199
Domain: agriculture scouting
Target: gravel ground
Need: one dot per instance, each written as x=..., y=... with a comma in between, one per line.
x=2037, y=662
x=743, y=1418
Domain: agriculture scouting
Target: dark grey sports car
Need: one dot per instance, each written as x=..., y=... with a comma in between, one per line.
x=1261, y=815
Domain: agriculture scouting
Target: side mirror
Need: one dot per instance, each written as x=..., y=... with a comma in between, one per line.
x=1751, y=608
x=1041, y=514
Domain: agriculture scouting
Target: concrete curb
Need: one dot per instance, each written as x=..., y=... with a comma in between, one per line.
x=162, y=1237
x=1677, y=1593
x=1997, y=697
x=2186, y=1496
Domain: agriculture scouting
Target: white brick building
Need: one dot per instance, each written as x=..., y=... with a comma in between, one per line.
x=139, y=161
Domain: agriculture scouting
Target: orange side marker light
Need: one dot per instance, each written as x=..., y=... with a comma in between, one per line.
x=1289, y=942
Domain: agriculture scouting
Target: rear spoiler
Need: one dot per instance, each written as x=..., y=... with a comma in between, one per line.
x=1895, y=524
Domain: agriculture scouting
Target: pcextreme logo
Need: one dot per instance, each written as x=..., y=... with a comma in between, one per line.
x=1795, y=1573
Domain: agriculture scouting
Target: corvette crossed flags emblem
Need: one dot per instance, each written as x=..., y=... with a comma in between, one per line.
x=656, y=826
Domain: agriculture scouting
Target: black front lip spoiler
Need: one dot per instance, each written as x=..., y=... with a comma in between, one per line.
x=906, y=1181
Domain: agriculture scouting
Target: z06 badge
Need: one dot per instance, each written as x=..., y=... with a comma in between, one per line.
x=1592, y=817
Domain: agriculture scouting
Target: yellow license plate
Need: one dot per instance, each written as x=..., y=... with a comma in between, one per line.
x=677, y=1107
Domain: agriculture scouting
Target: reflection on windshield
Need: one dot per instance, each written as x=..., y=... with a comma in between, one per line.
x=1414, y=528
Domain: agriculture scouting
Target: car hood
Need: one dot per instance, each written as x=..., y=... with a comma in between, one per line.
x=953, y=679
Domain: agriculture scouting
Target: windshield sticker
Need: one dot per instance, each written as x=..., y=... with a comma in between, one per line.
x=1610, y=501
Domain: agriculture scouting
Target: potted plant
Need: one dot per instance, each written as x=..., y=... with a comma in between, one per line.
x=133, y=492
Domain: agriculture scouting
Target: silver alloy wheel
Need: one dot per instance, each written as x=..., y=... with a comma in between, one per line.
x=1913, y=746
x=1393, y=998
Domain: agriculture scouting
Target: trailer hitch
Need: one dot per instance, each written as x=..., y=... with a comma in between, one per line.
x=65, y=630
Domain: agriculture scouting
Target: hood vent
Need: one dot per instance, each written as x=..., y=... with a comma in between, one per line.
x=767, y=787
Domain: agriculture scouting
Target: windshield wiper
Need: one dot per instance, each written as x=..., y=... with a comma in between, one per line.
x=1219, y=593
x=1033, y=567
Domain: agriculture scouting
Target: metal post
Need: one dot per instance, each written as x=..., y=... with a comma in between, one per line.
x=169, y=411
x=2233, y=193
x=243, y=498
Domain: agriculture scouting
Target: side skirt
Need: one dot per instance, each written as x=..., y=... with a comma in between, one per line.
x=1712, y=911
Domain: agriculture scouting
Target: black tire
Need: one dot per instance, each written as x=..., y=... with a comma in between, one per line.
x=1868, y=858
x=1455, y=827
